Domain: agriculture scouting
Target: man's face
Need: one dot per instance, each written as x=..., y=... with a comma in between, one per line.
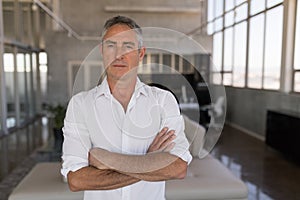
x=120, y=51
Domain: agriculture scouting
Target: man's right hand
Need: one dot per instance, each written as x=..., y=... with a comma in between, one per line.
x=163, y=142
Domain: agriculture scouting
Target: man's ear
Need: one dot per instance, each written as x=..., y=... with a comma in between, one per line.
x=142, y=52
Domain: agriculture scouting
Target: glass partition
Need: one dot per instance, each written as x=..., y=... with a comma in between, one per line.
x=21, y=84
x=28, y=87
x=8, y=63
x=22, y=87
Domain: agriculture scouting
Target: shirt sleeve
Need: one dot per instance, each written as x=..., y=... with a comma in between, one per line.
x=76, y=138
x=174, y=121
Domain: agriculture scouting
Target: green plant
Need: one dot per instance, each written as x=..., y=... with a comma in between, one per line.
x=58, y=113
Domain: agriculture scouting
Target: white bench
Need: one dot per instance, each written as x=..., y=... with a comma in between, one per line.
x=44, y=182
x=207, y=179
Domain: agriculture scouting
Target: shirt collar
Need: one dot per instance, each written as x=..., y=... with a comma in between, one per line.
x=103, y=89
x=140, y=88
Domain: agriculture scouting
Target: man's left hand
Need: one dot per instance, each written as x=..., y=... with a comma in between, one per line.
x=163, y=142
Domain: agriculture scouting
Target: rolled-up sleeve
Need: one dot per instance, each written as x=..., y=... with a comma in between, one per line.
x=174, y=121
x=76, y=137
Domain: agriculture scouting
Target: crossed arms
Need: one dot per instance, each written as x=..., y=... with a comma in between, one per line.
x=108, y=170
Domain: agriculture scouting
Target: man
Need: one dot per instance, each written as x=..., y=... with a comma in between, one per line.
x=123, y=139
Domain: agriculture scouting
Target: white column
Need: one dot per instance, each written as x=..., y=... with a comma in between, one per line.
x=289, y=23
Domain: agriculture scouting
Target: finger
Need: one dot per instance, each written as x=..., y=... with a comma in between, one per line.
x=162, y=133
x=167, y=142
x=158, y=136
x=165, y=137
x=155, y=145
x=169, y=147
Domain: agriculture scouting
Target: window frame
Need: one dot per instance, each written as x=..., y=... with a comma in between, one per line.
x=249, y=16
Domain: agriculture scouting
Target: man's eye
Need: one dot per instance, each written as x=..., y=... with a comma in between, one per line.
x=129, y=47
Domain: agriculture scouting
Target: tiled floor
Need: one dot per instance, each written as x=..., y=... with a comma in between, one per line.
x=11, y=181
x=266, y=172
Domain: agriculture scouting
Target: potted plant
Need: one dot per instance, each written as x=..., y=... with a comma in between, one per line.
x=57, y=114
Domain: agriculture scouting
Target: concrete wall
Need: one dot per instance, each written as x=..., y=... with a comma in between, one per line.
x=88, y=16
x=62, y=49
x=247, y=108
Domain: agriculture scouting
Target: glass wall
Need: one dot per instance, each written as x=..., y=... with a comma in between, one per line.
x=20, y=61
x=20, y=84
x=22, y=87
x=20, y=130
x=28, y=86
x=9, y=68
x=251, y=55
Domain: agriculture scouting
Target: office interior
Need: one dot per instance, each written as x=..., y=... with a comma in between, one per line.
x=233, y=65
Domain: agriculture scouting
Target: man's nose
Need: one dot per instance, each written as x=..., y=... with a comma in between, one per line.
x=119, y=53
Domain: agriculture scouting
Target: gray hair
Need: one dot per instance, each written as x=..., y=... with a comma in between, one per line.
x=126, y=21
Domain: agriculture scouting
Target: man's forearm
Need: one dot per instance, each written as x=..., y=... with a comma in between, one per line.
x=90, y=178
x=150, y=167
x=176, y=170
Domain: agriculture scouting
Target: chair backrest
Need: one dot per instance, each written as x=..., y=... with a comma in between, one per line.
x=195, y=134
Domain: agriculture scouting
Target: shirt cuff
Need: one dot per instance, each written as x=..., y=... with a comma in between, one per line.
x=73, y=168
x=184, y=155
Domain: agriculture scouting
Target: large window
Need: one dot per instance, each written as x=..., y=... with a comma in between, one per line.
x=297, y=52
x=228, y=56
x=240, y=39
x=257, y=6
x=217, y=52
x=273, y=47
x=250, y=57
x=255, y=53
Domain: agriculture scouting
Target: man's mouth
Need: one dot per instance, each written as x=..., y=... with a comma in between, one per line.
x=119, y=65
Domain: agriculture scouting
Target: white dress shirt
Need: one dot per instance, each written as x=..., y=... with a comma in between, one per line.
x=96, y=119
